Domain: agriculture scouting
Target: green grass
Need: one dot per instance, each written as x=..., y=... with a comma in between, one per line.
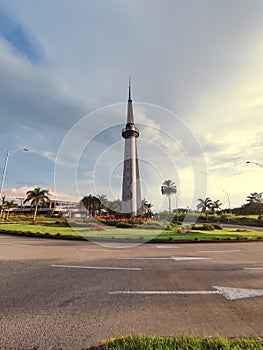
x=49, y=228
x=181, y=343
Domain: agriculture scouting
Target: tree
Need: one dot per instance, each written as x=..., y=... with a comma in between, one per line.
x=146, y=208
x=114, y=207
x=92, y=204
x=216, y=205
x=9, y=205
x=103, y=199
x=204, y=205
x=37, y=197
x=168, y=188
x=254, y=203
x=2, y=205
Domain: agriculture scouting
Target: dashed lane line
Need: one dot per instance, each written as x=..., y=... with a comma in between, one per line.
x=98, y=267
x=218, y=251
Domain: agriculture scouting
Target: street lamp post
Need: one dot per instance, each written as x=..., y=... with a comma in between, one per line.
x=8, y=153
x=228, y=198
x=256, y=163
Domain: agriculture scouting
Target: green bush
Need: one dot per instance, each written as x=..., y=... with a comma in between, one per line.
x=208, y=227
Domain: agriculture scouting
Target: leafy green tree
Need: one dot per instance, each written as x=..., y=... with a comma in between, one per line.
x=114, y=207
x=254, y=203
x=2, y=206
x=37, y=197
x=8, y=205
x=168, y=188
x=92, y=204
x=204, y=205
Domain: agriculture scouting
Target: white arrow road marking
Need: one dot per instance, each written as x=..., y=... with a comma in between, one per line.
x=228, y=293
x=99, y=267
x=238, y=293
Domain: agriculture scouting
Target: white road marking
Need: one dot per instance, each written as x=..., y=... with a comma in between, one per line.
x=253, y=268
x=186, y=258
x=170, y=258
x=16, y=244
x=218, y=251
x=103, y=250
x=163, y=292
x=176, y=258
x=164, y=247
x=228, y=293
x=99, y=267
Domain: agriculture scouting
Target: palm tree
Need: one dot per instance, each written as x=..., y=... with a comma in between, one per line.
x=168, y=188
x=216, y=205
x=9, y=205
x=146, y=208
x=103, y=201
x=37, y=196
x=204, y=205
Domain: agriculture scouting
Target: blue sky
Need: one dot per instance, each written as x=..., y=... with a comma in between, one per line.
x=197, y=85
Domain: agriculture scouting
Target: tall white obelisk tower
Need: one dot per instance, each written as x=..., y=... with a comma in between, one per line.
x=131, y=189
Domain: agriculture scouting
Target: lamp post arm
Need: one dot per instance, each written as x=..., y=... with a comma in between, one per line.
x=256, y=163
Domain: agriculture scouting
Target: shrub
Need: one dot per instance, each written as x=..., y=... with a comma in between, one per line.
x=208, y=227
x=218, y=226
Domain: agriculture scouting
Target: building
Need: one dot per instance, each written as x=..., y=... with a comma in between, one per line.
x=131, y=189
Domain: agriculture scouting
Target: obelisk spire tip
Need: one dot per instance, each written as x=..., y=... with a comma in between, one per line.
x=129, y=89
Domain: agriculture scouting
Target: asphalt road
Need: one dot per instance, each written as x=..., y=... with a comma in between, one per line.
x=70, y=295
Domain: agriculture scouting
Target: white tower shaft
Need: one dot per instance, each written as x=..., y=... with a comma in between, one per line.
x=131, y=190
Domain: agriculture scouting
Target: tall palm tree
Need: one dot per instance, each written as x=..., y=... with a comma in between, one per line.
x=168, y=188
x=37, y=196
x=204, y=205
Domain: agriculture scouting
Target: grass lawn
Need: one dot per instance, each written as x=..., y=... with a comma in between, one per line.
x=181, y=343
x=111, y=232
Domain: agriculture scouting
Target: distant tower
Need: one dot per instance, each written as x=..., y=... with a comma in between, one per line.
x=131, y=189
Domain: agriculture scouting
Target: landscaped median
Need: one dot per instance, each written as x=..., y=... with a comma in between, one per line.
x=144, y=233
x=181, y=343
